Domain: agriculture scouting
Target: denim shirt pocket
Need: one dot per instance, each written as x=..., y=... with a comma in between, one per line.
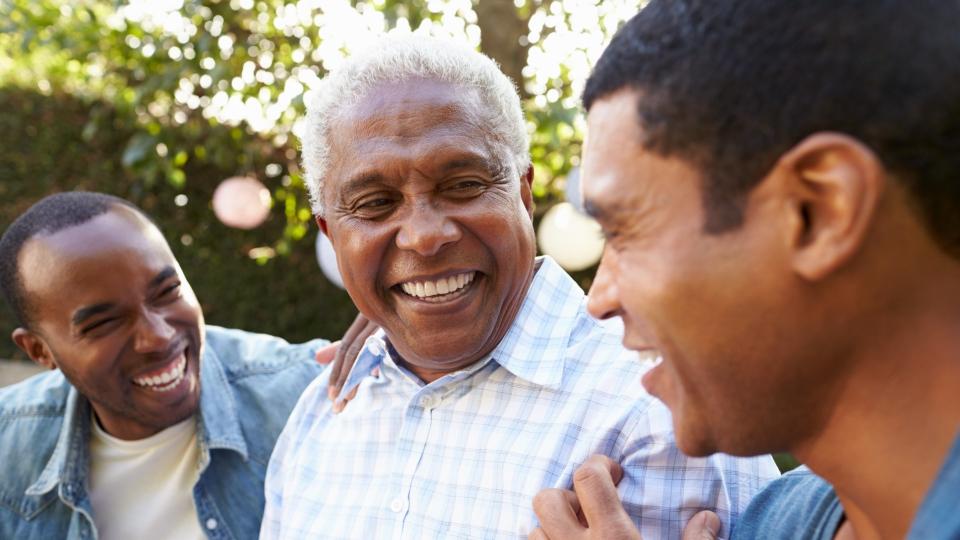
x=19, y=516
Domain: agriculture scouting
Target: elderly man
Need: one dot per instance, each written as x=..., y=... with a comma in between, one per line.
x=152, y=425
x=493, y=380
x=779, y=181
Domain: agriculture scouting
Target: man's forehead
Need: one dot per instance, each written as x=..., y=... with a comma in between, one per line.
x=102, y=242
x=387, y=97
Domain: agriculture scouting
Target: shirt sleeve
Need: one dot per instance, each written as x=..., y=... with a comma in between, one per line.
x=283, y=453
x=662, y=488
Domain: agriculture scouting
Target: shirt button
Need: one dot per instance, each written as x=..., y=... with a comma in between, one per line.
x=397, y=505
x=428, y=402
x=211, y=524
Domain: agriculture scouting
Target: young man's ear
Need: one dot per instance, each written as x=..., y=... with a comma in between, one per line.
x=835, y=184
x=35, y=347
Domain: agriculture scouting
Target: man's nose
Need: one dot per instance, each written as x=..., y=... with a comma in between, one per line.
x=603, y=300
x=154, y=333
x=426, y=229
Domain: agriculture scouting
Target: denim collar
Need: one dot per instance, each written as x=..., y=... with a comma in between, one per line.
x=534, y=346
x=218, y=428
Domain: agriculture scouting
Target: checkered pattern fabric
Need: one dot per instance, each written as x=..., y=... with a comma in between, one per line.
x=463, y=456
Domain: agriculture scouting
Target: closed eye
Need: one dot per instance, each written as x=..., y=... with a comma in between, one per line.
x=375, y=203
x=98, y=324
x=467, y=188
x=170, y=293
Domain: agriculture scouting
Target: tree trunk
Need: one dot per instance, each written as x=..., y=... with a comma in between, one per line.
x=501, y=30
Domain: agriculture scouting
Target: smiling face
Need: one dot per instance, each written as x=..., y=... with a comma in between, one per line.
x=430, y=222
x=112, y=310
x=739, y=365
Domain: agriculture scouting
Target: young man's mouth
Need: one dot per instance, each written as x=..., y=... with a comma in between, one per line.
x=165, y=378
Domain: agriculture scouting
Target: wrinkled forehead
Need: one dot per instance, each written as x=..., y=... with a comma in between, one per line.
x=416, y=122
x=404, y=99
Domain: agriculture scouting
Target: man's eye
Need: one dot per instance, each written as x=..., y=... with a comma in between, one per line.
x=171, y=290
x=468, y=184
x=465, y=187
x=102, y=323
x=373, y=207
x=374, y=204
x=168, y=294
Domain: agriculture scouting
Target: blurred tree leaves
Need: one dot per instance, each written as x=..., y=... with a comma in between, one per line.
x=222, y=82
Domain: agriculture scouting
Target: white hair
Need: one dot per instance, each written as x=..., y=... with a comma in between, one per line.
x=397, y=58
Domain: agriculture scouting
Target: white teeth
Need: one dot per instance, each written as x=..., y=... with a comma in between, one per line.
x=166, y=380
x=426, y=289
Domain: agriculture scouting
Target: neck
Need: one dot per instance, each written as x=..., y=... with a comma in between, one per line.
x=895, y=419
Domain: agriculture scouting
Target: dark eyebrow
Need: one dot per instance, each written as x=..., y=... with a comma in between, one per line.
x=471, y=162
x=85, y=313
x=359, y=183
x=162, y=276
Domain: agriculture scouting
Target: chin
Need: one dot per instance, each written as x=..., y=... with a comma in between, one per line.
x=695, y=446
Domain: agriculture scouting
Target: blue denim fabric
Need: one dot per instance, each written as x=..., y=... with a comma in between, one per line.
x=248, y=385
x=938, y=516
x=800, y=504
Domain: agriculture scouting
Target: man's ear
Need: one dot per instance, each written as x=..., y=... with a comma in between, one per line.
x=526, y=190
x=35, y=347
x=834, y=183
x=322, y=223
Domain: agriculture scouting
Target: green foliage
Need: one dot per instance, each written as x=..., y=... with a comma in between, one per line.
x=158, y=101
x=43, y=150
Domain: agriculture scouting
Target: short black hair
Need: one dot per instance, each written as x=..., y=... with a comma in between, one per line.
x=729, y=86
x=47, y=216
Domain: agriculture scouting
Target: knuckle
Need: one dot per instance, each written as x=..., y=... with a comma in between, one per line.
x=590, y=471
x=544, y=500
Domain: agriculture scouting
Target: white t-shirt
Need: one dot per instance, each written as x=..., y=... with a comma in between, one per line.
x=144, y=489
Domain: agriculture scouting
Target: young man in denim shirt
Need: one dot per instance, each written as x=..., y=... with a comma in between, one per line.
x=152, y=425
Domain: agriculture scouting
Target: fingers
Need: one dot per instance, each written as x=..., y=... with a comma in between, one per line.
x=326, y=354
x=340, y=405
x=596, y=485
x=703, y=526
x=346, y=355
x=352, y=351
x=557, y=510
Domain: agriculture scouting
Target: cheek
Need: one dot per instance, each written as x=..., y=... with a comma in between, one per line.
x=360, y=255
x=92, y=368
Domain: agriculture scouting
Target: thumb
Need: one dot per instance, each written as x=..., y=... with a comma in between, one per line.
x=703, y=526
x=326, y=354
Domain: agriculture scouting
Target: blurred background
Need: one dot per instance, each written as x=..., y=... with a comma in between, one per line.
x=161, y=101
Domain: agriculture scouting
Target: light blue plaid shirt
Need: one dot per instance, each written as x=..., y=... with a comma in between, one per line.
x=463, y=456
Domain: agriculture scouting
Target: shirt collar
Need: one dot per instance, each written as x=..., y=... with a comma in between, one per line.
x=534, y=346
x=219, y=427
x=219, y=422
x=70, y=453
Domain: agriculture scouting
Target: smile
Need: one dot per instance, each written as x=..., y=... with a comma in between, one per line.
x=167, y=379
x=438, y=290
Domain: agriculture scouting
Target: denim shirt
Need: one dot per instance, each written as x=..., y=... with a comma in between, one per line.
x=248, y=385
x=800, y=504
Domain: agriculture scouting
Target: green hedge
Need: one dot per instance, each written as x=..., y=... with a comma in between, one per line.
x=46, y=145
